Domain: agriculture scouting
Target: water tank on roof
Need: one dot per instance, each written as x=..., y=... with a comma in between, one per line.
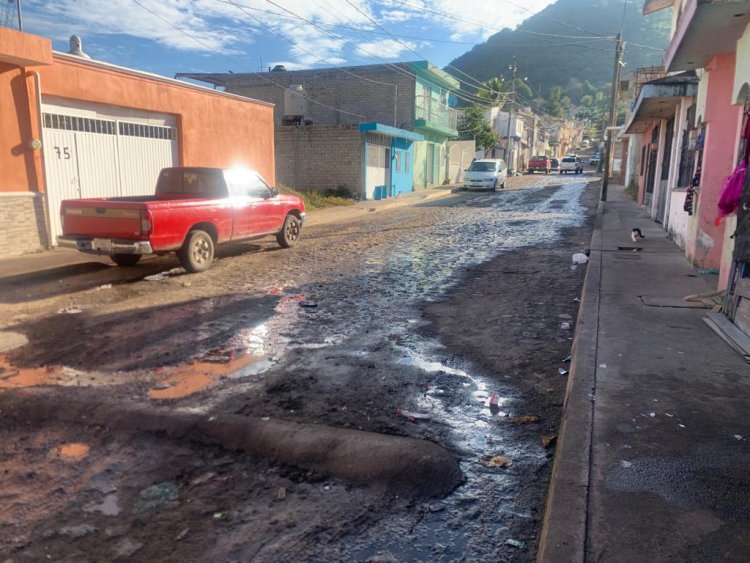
x=294, y=103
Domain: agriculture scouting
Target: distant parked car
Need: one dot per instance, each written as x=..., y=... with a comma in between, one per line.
x=571, y=164
x=554, y=165
x=595, y=158
x=539, y=163
x=488, y=173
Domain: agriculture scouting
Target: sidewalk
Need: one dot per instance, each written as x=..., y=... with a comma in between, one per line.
x=62, y=257
x=653, y=458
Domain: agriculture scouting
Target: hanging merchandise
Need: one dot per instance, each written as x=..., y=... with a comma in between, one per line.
x=689, y=198
x=731, y=191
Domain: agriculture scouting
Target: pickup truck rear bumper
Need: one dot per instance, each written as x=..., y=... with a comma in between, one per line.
x=106, y=245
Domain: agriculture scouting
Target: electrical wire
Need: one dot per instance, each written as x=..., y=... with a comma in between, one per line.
x=484, y=26
x=466, y=96
x=351, y=28
x=239, y=64
x=296, y=45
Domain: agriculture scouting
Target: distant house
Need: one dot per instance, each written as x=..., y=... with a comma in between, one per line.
x=375, y=130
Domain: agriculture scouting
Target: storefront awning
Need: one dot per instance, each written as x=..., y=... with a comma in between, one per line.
x=389, y=131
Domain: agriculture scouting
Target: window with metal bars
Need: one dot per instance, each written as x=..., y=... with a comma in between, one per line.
x=83, y=124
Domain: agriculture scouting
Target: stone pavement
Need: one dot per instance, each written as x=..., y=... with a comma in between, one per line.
x=61, y=257
x=653, y=457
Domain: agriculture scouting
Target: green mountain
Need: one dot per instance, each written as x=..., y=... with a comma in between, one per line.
x=562, y=45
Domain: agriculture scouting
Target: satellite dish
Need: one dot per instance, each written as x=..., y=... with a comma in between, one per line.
x=452, y=100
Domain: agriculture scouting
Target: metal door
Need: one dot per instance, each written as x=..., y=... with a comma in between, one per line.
x=402, y=169
x=61, y=171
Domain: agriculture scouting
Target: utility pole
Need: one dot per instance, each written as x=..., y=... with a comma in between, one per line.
x=20, y=15
x=509, y=148
x=612, y=117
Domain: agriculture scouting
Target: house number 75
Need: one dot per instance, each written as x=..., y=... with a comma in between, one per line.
x=62, y=152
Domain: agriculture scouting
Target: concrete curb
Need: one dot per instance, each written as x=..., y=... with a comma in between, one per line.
x=405, y=466
x=339, y=214
x=563, y=534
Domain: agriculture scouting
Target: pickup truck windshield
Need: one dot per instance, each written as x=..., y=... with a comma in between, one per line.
x=482, y=167
x=205, y=182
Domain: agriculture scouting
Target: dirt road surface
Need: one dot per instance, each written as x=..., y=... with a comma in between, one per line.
x=421, y=351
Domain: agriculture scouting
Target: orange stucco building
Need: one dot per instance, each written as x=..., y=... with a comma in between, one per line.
x=102, y=129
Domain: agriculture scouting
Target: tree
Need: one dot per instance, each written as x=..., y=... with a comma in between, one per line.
x=473, y=124
x=493, y=91
x=553, y=105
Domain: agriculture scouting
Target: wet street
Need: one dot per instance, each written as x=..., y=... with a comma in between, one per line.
x=447, y=322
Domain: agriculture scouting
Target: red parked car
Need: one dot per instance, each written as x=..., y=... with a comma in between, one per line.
x=193, y=210
x=539, y=164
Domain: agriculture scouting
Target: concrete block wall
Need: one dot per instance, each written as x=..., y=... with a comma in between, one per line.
x=367, y=91
x=22, y=221
x=319, y=157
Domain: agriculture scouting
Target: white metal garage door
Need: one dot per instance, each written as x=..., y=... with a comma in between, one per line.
x=102, y=151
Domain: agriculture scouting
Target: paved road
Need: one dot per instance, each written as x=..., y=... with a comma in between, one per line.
x=342, y=330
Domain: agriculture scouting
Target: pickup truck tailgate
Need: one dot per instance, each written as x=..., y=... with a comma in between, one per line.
x=103, y=219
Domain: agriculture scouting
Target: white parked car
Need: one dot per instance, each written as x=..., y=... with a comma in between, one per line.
x=488, y=174
x=571, y=164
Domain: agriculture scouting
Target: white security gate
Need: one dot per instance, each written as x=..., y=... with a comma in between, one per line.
x=102, y=151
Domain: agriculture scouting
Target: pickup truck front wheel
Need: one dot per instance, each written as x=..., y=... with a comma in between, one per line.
x=289, y=233
x=197, y=253
x=125, y=259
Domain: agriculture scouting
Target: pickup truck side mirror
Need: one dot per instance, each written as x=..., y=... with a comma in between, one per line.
x=274, y=192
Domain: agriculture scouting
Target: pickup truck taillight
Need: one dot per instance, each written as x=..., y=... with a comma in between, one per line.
x=147, y=223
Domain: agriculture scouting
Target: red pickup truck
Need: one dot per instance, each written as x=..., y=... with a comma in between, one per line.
x=193, y=210
x=540, y=164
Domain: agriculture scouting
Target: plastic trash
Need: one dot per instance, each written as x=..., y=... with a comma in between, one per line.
x=562, y=371
x=567, y=358
x=494, y=399
x=580, y=258
x=515, y=543
x=576, y=300
x=738, y=437
x=412, y=416
x=565, y=326
x=308, y=304
x=282, y=493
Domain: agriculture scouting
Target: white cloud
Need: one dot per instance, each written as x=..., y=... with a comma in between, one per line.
x=386, y=49
x=206, y=26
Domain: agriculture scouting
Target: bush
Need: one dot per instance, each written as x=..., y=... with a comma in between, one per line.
x=331, y=197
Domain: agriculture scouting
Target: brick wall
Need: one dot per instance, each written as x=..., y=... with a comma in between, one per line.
x=23, y=223
x=318, y=157
x=365, y=90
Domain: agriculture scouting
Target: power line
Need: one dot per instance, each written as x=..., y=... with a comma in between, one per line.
x=349, y=27
x=466, y=96
x=484, y=26
x=239, y=64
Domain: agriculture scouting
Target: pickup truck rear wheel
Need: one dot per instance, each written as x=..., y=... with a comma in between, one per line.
x=125, y=259
x=197, y=253
x=289, y=233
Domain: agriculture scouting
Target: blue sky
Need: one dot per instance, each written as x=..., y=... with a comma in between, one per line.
x=246, y=35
